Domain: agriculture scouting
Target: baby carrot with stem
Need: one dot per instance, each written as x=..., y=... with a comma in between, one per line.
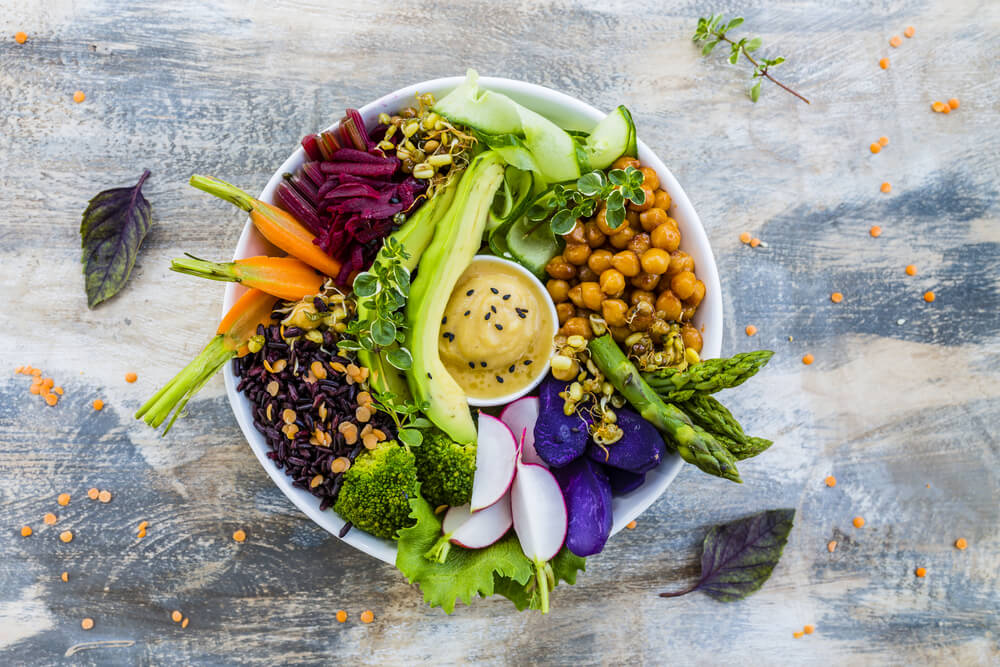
x=276, y=225
x=231, y=339
x=284, y=277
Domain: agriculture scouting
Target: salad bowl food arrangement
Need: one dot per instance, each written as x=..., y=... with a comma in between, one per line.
x=472, y=329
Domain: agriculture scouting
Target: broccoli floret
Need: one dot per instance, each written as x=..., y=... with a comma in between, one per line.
x=377, y=489
x=445, y=469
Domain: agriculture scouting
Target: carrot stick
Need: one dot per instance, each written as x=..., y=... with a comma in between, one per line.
x=231, y=339
x=284, y=277
x=277, y=226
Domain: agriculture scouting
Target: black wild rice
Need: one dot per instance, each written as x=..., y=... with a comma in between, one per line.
x=333, y=396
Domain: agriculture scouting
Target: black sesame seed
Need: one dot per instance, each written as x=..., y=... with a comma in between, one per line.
x=506, y=296
x=444, y=320
x=499, y=379
x=483, y=364
x=512, y=367
x=521, y=314
x=470, y=292
x=472, y=364
x=449, y=335
x=494, y=290
x=499, y=327
x=487, y=316
x=493, y=308
x=429, y=376
x=466, y=313
x=527, y=362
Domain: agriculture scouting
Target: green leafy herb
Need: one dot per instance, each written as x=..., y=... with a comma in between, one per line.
x=465, y=573
x=112, y=230
x=564, y=567
x=405, y=414
x=566, y=204
x=738, y=557
x=712, y=30
x=382, y=292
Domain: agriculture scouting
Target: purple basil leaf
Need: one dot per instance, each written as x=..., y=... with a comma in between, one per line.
x=738, y=557
x=113, y=227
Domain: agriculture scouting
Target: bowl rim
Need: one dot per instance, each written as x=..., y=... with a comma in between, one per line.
x=550, y=103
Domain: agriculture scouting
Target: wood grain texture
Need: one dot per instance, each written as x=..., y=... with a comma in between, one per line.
x=905, y=415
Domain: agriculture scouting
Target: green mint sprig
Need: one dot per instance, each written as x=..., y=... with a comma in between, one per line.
x=567, y=204
x=382, y=290
x=711, y=31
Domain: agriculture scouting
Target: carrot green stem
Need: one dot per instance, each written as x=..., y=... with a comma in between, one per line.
x=203, y=268
x=223, y=190
x=184, y=385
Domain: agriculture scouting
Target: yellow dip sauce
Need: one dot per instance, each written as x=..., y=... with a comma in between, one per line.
x=496, y=334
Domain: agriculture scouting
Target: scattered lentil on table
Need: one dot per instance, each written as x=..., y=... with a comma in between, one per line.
x=929, y=296
x=831, y=546
x=367, y=616
x=98, y=404
x=20, y=37
x=886, y=187
x=859, y=522
x=240, y=536
x=809, y=629
x=909, y=31
x=751, y=330
x=341, y=616
x=831, y=481
x=883, y=63
x=631, y=525
x=87, y=623
x=63, y=499
x=836, y=297
x=875, y=231
x=79, y=96
x=911, y=269
x=808, y=359
x=49, y=519
x=26, y=531
x=66, y=536
x=961, y=544
x=895, y=41
x=921, y=572
x=176, y=616
x=131, y=377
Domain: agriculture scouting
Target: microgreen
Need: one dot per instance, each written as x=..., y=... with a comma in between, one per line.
x=382, y=290
x=406, y=415
x=712, y=30
x=567, y=204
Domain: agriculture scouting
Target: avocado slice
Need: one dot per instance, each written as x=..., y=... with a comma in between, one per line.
x=456, y=240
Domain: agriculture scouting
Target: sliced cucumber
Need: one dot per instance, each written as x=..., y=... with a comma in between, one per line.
x=552, y=148
x=512, y=149
x=633, y=145
x=532, y=244
x=483, y=110
x=609, y=140
x=513, y=198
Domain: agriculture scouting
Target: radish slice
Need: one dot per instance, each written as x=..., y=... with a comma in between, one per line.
x=540, y=521
x=496, y=453
x=477, y=530
x=520, y=415
x=540, y=518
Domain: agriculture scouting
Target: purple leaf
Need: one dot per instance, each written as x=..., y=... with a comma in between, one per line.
x=738, y=557
x=112, y=230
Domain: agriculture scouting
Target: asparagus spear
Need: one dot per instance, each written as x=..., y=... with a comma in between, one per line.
x=708, y=376
x=714, y=417
x=692, y=442
x=743, y=449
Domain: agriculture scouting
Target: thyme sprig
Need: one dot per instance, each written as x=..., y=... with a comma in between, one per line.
x=711, y=31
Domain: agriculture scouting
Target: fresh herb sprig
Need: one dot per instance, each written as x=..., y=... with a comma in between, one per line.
x=711, y=31
x=382, y=291
x=406, y=415
x=567, y=204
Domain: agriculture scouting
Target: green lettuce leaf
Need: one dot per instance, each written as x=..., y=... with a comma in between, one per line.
x=466, y=573
x=565, y=566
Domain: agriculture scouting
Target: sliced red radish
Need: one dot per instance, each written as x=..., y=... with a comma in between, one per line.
x=496, y=454
x=520, y=415
x=540, y=521
x=472, y=530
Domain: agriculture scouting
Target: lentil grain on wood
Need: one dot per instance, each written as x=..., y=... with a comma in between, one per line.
x=903, y=414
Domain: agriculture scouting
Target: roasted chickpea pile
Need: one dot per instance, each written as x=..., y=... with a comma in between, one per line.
x=635, y=277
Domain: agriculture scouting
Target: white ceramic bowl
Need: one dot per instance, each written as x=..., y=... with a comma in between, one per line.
x=568, y=112
x=542, y=370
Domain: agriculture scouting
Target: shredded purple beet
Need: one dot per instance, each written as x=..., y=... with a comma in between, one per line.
x=349, y=193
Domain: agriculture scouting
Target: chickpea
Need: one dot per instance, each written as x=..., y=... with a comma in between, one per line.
x=585, y=274
x=558, y=290
x=576, y=295
x=680, y=261
x=682, y=284
x=595, y=237
x=640, y=243
x=669, y=305
x=614, y=311
x=661, y=199
x=560, y=269
x=673, y=224
x=622, y=238
x=577, y=234
x=612, y=282
x=647, y=203
x=577, y=326
x=602, y=221
x=627, y=262
x=697, y=295
x=640, y=317
x=632, y=218
x=599, y=260
x=564, y=311
x=646, y=281
x=652, y=218
x=655, y=260
x=576, y=253
x=620, y=333
x=591, y=295
x=665, y=237
x=624, y=162
x=687, y=313
x=642, y=295
x=691, y=337
x=650, y=179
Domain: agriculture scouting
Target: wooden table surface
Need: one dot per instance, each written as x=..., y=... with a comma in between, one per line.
x=901, y=404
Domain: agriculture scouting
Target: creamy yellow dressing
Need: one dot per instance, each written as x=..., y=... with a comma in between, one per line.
x=496, y=334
